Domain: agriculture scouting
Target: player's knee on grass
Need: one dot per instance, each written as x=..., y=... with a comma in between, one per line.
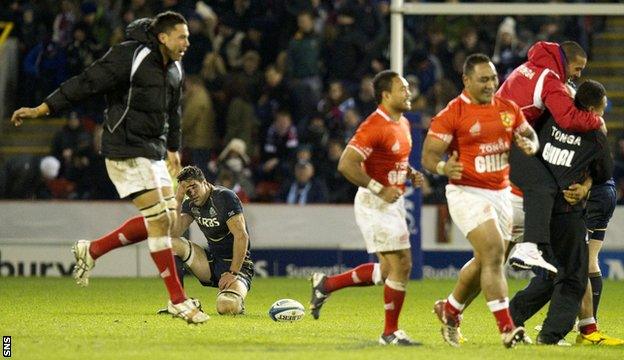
x=229, y=303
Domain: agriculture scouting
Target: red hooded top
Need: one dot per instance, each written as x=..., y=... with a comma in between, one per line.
x=540, y=83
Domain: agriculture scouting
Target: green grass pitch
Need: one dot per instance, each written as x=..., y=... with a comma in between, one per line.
x=52, y=318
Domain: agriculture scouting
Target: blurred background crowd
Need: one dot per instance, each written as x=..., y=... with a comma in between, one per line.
x=274, y=89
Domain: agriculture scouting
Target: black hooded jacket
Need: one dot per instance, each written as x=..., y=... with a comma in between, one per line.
x=142, y=118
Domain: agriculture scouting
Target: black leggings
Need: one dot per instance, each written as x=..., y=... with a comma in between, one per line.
x=565, y=291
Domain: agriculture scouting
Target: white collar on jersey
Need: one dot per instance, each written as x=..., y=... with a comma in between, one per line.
x=383, y=114
x=467, y=100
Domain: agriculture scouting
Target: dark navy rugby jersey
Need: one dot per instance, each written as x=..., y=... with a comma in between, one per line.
x=608, y=183
x=212, y=219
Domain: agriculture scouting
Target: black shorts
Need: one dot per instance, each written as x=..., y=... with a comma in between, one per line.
x=220, y=265
x=599, y=210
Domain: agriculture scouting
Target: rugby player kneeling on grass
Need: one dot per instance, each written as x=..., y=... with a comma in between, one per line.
x=225, y=263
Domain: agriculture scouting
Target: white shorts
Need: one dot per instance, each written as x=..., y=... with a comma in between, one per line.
x=517, y=232
x=471, y=206
x=137, y=174
x=382, y=224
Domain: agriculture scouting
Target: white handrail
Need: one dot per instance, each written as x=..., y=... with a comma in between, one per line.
x=497, y=8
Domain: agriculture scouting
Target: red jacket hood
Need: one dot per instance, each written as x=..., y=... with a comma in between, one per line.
x=548, y=55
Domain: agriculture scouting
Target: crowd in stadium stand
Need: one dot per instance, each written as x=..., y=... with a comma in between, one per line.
x=274, y=89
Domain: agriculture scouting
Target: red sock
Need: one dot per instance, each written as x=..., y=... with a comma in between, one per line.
x=588, y=329
x=451, y=310
x=166, y=266
x=500, y=309
x=393, y=302
x=360, y=276
x=130, y=232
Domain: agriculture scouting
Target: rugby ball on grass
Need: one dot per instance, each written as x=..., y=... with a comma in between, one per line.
x=286, y=310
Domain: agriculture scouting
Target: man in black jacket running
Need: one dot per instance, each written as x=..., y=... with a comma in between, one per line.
x=142, y=80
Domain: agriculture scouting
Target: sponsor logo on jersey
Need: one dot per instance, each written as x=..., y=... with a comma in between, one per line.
x=212, y=212
x=498, y=146
x=556, y=156
x=507, y=118
x=491, y=163
x=396, y=147
x=526, y=72
x=565, y=138
x=208, y=222
x=475, y=130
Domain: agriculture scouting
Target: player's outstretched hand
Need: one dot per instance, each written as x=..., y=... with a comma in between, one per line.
x=416, y=177
x=453, y=167
x=227, y=279
x=526, y=145
x=29, y=113
x=575, y=193
x=390, y=194
x=24, y=113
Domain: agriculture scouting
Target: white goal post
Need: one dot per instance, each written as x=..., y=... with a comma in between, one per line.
x=399, y=9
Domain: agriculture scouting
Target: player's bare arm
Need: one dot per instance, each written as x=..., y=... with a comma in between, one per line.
x=29, y=113
x=182, y=224
x=350, y=165
x=236, y=225
x=180, y=193
x=432, y=159
x=183, y=220
x=577, y=192
x=526, y=139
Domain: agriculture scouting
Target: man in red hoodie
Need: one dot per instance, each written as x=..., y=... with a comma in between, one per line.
x=539, y=86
